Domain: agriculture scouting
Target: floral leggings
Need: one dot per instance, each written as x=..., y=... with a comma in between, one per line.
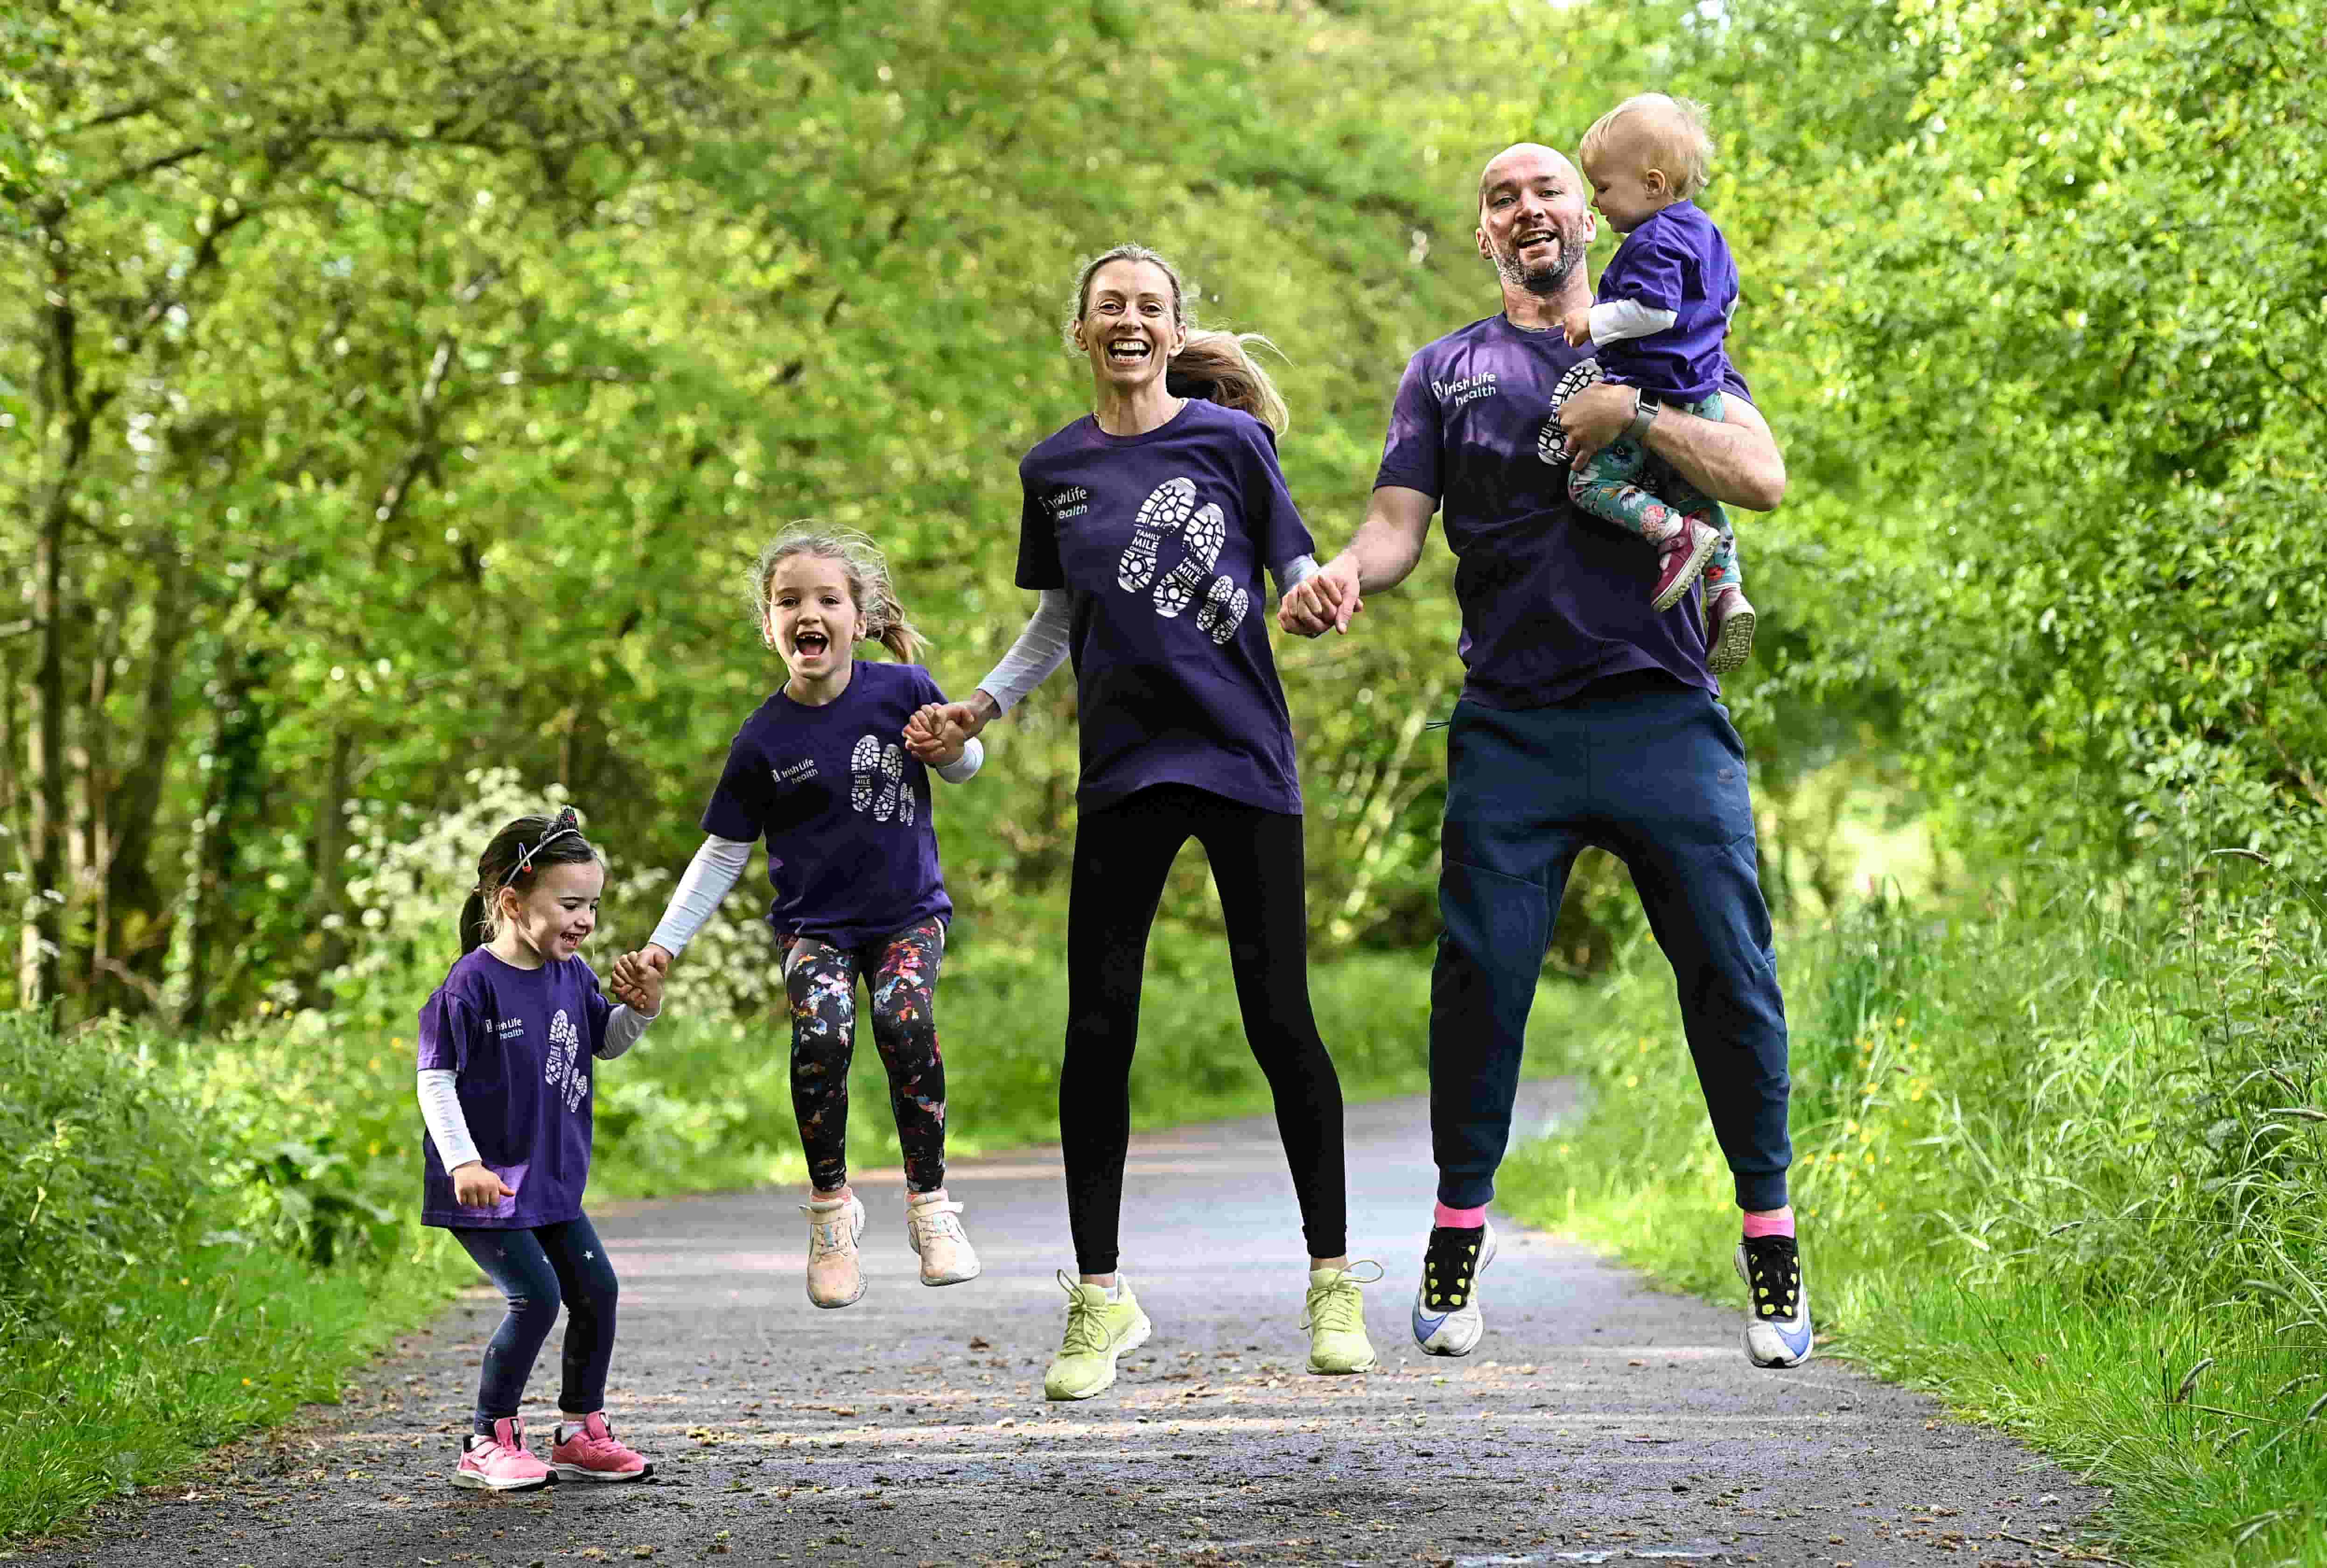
x=1609, y=487
x=902, y=973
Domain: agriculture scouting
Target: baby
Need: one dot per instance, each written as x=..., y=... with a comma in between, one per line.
x=1657, y=325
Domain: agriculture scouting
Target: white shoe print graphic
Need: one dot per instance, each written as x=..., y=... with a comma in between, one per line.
x=1551, y=440
x=892, y=776
x=1166, y=509
x=1206, y=532
x=1223, y=611
x=862, y=763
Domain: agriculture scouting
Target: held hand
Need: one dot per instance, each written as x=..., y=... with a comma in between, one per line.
x=1594, y=417
x=638, y=983
x=932, y=737
x=1578, y=323
x=1326, y=600
x=938, y=731
x=474, y=1186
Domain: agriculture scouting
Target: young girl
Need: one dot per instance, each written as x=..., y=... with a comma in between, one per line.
x=1145, y=529
x=1663, y=308
x=818, y=771
x=507, y=1047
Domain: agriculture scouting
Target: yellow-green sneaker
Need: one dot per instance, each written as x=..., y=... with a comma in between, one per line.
x=1098, y=1332
x=1335, y=1316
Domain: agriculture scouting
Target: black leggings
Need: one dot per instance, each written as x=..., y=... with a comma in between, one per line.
x=1122, y=852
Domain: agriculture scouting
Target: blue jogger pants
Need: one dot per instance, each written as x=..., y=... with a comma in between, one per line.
x=1653, y=772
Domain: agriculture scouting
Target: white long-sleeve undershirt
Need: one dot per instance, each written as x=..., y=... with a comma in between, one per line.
x=1042, y=647
x=440, y=1094
x=1615, y=321
x=721, y=862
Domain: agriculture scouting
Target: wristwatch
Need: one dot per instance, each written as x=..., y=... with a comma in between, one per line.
x=1644, y=414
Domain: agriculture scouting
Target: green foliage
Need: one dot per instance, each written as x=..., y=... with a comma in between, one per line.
x=2030, y=290
x=102, y=1172
x=2051, y=1152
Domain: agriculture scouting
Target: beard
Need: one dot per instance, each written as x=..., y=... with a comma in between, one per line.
x=1547, y=279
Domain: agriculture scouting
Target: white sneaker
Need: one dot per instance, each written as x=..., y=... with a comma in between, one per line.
x=933, y=1227
x=1446, y=1317
x=835, y=1276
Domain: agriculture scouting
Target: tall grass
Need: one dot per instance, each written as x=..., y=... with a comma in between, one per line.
x=2059, y=1156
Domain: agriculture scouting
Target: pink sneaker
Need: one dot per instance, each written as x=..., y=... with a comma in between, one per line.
x=501, y=1462
x=588, y=1452
x=1683, y=559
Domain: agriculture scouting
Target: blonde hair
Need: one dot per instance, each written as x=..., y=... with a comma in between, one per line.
x=1212, y=364
x=880, y=616
x=1676, y=134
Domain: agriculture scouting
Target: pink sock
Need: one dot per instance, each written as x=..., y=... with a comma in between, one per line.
x=1778, y=1223
x=1459, y=1218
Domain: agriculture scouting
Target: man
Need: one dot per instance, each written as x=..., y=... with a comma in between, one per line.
x=1586, y=718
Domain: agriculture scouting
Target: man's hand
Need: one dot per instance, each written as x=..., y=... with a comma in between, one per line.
x=1578, y=323
x=934, y=736
x=474, y=1186
x=1594, y=417
x=1325, y=601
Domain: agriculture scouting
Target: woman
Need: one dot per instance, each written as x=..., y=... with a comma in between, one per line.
x=1145, y=529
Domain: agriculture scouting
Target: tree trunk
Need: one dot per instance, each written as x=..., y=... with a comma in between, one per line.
x=232, y=804
x=135, y=931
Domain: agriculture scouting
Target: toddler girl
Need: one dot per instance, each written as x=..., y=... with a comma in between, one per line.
x=507, y=1047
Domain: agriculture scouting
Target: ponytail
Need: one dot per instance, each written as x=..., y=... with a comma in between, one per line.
x=1219, y=367
x=880, y=615
x=514, y=857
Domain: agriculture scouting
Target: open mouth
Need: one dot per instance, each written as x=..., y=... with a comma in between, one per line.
x=811, y=644
x=1128, y=351
x=1534, y=237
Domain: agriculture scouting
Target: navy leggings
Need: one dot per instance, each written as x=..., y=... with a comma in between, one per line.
x=536, y=1269
x=1122, y=852
x=1652, y=772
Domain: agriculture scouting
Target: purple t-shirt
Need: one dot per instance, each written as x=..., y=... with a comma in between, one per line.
x=1552, y=598
x=852, y=852
x=520, y=1044
x=1161, y=539
x=1676, y=261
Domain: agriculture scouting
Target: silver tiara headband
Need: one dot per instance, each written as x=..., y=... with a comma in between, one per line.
x=567, y=823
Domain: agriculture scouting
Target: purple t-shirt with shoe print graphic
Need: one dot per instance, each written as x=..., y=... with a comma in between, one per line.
x=1551, y=597
x=520, y=1044
x=1675, y=261
x=1160, y=539
x=844, y=809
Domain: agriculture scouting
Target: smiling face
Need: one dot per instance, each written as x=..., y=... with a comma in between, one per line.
x=555, y=915
x=1129, y=328
x=812, y=618
x=1533, y=224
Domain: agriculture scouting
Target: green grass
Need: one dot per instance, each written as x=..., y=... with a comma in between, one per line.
x=2050, y=1157
x=131, y=1392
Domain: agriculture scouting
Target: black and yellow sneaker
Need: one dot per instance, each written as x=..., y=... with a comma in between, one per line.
x=1777, y=1302
x=1446, y=1321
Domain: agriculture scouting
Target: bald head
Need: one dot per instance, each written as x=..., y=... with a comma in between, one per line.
x=1523, y=162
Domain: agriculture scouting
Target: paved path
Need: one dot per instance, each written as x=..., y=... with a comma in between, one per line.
x=1598, y=1422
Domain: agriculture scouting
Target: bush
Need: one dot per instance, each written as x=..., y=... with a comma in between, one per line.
x=103, y=1169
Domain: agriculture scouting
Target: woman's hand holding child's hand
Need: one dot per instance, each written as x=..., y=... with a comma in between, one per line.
x=636, y=979
x=475, y=1187
x=937, y=732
